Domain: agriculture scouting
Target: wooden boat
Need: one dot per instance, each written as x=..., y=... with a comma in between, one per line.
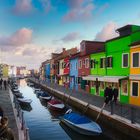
x=24, y=101
x=45, y=96
x=56, y=105
x=81, y=124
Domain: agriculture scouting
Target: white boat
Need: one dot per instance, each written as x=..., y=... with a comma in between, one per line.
x=24, y=100
x=56, y=105
x=81, y=124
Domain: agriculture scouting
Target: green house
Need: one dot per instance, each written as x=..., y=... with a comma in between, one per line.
x=97, y=69
x=118, y=58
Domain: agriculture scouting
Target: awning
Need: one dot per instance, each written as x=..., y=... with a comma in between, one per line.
x=90, y=77
x=134, y=77
x=114, y=79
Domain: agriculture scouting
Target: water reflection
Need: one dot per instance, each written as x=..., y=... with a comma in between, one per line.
x=74, y=135
x=26, y=107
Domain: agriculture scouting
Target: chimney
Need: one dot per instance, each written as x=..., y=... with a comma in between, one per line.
x=64, y=49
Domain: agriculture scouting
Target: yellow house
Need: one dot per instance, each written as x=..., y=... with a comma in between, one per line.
x=4, y=70
x=135, y=73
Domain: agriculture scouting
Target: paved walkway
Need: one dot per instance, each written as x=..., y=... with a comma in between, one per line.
x=127, y=111
x=6, y=104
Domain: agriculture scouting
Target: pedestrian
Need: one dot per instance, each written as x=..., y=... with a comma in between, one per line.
x=108, y=94
x=115, y=93
x=5, y=84
x=5, y=132
x=1, y=83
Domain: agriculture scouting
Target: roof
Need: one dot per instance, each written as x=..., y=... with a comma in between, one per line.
x=135, y=43
x=75, y=55
x=113, y=79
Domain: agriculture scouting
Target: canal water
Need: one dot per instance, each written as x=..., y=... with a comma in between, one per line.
x=43, y=123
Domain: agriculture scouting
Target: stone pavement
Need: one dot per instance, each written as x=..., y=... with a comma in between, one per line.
x=6, y=104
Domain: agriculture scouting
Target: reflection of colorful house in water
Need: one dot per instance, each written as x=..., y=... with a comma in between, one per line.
x=74, y=71
x=135, y=73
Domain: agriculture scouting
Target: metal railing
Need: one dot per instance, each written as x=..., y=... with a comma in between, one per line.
x=20, y=115
x=127, y=111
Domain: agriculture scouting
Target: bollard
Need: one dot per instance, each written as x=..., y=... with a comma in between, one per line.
x=27, y=134
x=112, y=107
x=132, y=115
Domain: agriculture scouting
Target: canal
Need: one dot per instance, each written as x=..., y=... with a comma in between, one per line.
x=44, y=124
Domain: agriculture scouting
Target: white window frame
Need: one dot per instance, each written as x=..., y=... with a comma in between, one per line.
x=86, y=66
x=105, y=63
x=132, y=59
x=112, y=62
x=93, y=59
x=122, y=60
x=131, y=88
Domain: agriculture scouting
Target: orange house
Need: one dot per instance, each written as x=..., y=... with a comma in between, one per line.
x=135, y=73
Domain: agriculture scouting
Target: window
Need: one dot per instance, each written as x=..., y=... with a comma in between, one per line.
x=86, y=63
x=135, y=59
x=92, y=63
x=124, y=87
x=102, y=62
x=83, y=62
x=109, y=62
x=124, y=60
x=134, y=89
x=80, y=64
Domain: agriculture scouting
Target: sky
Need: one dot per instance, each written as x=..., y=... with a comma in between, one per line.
x=30, y=30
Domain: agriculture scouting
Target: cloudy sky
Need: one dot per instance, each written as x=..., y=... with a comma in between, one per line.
x=31, y=29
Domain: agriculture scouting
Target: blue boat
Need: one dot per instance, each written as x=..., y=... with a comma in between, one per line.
x=81, y=124
x=45, y=96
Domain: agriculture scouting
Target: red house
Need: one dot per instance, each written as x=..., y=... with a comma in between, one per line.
x=87, y=48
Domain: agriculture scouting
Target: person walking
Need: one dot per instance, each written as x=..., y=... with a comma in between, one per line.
x=115, y=94
x=108, y=94
x=1, y=82
x=5, y=132
x=5, y=84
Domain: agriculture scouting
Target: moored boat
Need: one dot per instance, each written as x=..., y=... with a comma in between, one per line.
x=24, y=101
x=56, y=105
x=81, y=124
x=45, y=96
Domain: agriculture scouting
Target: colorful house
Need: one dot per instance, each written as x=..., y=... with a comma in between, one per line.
x=47, y=70
x=118, y=59
x=63, y=64
x=74, y=71
x=86, y=48
x=135, y=73
x=4, y=69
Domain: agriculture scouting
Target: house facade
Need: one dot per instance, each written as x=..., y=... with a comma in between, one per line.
x=118, y=60
x=135, y=73
x=74, y=72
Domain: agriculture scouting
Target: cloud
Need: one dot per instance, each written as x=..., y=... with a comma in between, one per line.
x=18, y=49
x=19, y=38
x=23, y=7
x=80, y=10
x=71, y=37
x=107, y=32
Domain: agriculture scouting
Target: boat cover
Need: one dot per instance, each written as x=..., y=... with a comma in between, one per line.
x=76, y=118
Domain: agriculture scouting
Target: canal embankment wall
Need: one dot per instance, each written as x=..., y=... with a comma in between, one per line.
x=117, y=127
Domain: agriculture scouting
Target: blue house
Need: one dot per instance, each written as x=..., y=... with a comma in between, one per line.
x=47, y=72
x=74, y=71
